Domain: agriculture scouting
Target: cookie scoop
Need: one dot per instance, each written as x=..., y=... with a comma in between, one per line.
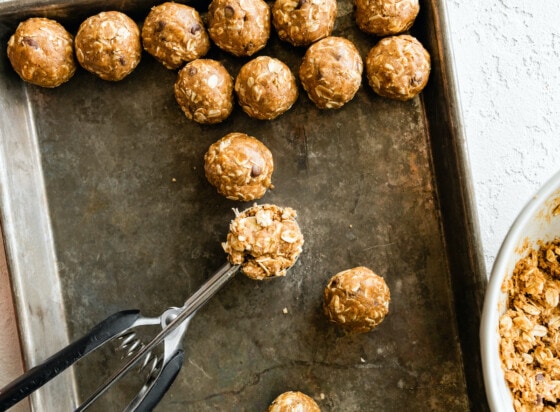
x=265, y=240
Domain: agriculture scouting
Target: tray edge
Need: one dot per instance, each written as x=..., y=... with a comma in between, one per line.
x=30, y=249
x=468, y=278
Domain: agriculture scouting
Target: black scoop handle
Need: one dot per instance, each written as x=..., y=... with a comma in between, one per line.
x=163, y=382
x=37, y=376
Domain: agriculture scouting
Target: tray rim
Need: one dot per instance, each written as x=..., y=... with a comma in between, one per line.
x=467, y=269
x=30, y=251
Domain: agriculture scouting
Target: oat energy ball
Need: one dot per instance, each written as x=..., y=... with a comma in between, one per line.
x=386, y=17
x=398, y=67
x=108, y=45
x=265, y=240
x=239, y=166
x=240, y=27
x=301, y=22
x=174, y=34
x=265, y=88
x=41, y=52
x=331, y=72
x=356, y=299
x=204, y=90
x=293, y=402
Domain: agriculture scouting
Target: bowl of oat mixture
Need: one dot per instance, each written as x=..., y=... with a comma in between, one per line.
x=520, y=328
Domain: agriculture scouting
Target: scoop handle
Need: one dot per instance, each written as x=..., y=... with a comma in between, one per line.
x=148, y=400
x=37, y=376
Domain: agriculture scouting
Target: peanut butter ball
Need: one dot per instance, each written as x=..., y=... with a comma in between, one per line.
x=174, y=34
x=386, y=17
x=356, y=299
x=239, y=166
x=265, y=88
x=265, y=240
x=398, y=67
x=293, y=401
x=204, y=91
x=41, y=52
x=302, y=22
x=239, y=27
x=108, y=45
x=331, y=72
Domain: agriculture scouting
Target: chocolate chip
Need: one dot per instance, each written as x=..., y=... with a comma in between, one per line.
x=122, y=61
x=256, y=170
x=195, y=29
x=228, y=11
x=160, y=26
x=30, y=41
x=192, y=71
x=300, y=4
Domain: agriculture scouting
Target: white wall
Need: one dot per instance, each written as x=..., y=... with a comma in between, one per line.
x=507, y=59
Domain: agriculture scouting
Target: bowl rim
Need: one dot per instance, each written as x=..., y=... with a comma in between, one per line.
x=500, y=400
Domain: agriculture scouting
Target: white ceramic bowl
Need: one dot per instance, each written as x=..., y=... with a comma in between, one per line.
x=538, y=221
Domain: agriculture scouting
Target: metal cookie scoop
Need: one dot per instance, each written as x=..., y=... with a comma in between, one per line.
x=264, y=241
x=121, y=325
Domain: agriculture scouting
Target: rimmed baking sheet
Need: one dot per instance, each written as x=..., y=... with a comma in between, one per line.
x=105, y=207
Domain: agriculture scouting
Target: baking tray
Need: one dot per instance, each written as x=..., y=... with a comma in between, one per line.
x=105, y=207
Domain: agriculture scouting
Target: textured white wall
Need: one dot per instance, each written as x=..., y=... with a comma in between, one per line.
x=507, y=60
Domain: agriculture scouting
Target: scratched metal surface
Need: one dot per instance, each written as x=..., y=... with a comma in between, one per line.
x=136, y=225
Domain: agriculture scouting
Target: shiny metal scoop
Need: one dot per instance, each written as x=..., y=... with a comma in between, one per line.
x=120, y=326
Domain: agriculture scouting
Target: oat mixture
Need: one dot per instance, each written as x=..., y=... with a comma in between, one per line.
x=331, y=72
x=174, y=34
x=529, y=330
x=109, y=45
x=239, y=166
x=265, y=88
x=265, y=240
x=293, y=401
x=204, y=91
x=41, y=52
x=239, y=27
x=356, y=299
x=398, y=67
x=302, y=22
x=386, y=17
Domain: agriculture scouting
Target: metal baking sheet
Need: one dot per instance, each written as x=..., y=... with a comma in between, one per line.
x=105, y=207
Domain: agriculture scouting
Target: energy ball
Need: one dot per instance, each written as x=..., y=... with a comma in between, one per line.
x=302, y=22
x=398, y=67
x=239, y=166
x=204, y=91
x=293, y=402
x=265, y=240
x=265, y=88
x=356, y=299
x=174, y=34
x=108, y=45
x=240, y=27
x=41, y=52
x=331, y=72
x=386, y=17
